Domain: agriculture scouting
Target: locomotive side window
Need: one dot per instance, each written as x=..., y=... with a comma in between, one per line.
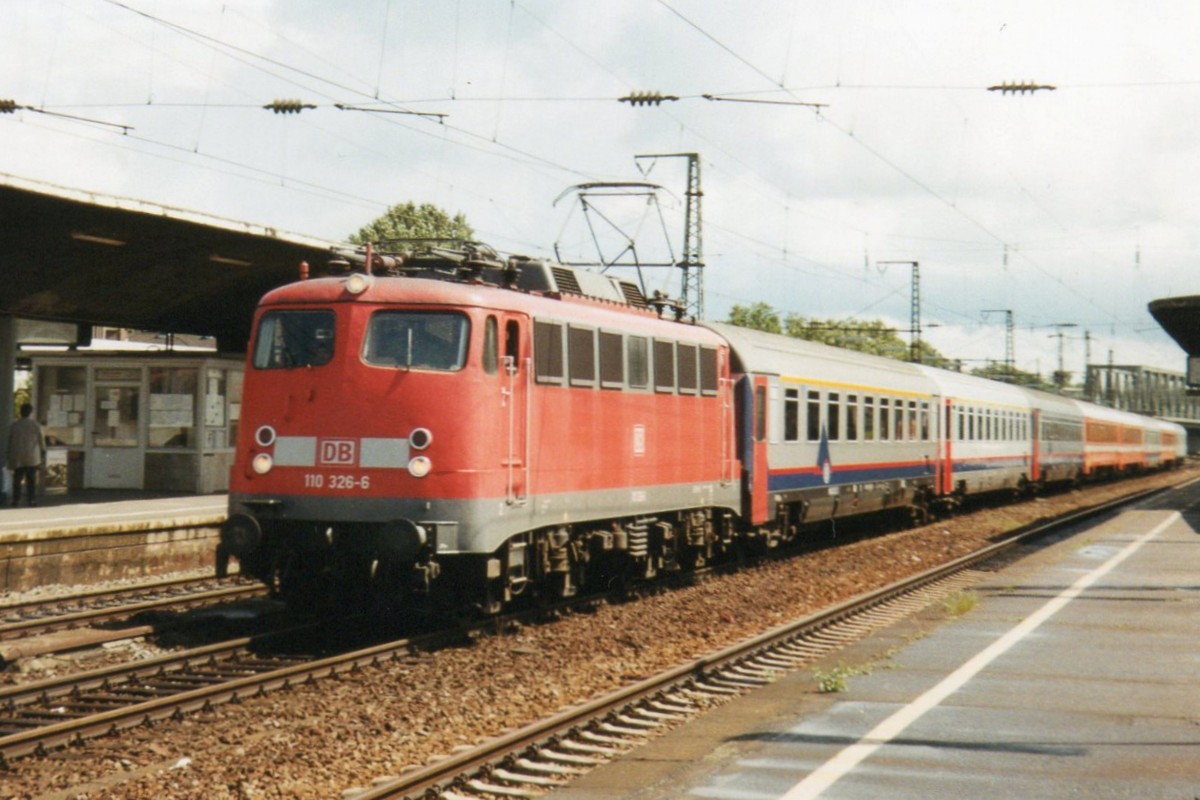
x=708, y=370
x=433, y=340
x=637, y=350
x=581, y=352
x=294, y=339
x=512, y=344
x=664, y=366
x=685, y=355
x=612, y=361
x=791, y=415
x=491, y=355
x=548, y=352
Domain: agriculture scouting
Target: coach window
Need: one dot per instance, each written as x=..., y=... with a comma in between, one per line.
x=851, y=418
x=868, y=418
x=612, y=360
x=637, y=352
x=970, y=424
x=708, y=370
x=885, y=418
x=548, y=352
x=791, y=415
x=813, y=416
x=664, y=366
x=913, y=421
x=925, y=420
x=685, y=355
x=760, y=413
x=491, y=355
x=833, y=414
x=581, y=355
x=898, y=418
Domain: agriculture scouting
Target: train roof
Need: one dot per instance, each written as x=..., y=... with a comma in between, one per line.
x=972, y=387
x=764, y=353
x=427, y=290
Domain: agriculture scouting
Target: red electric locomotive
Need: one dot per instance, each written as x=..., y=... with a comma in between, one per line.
x=454, y=426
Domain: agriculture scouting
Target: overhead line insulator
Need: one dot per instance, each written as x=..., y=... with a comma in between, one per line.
x=1021, y=88
x=8, y=106
x=288, y=106
x=646, y=98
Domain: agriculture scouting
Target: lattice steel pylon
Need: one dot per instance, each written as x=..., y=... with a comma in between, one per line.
x=691, y=262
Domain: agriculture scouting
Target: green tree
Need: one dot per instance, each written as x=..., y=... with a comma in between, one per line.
x=998, y=371
x=412, y=221
x=866, y=336
x=760, y=317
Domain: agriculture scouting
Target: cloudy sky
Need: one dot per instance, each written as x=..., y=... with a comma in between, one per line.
x=843, y=134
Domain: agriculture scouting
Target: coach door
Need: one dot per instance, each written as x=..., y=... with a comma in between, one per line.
x=517, y=376
x=754, y=442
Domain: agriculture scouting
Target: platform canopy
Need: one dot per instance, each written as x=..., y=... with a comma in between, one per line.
x=72, y=256
x=1180, y=317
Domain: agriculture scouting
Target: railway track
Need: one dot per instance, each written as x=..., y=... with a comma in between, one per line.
x=538, y=758
x=40, y=716
x=90, y=609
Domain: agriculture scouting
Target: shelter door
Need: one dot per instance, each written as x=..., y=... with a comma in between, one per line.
x=115, y=460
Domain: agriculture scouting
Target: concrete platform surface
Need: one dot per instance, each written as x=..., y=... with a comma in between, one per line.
x=1077, y=674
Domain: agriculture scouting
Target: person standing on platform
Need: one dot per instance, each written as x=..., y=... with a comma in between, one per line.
x=26, y=447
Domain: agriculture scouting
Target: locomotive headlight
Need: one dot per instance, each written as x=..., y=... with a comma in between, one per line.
x=262, y=463
x=358, y=283
x=419, y=467
x=420, y=438
x=265, y=436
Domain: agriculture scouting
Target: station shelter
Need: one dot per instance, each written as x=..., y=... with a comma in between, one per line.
x=153, y=421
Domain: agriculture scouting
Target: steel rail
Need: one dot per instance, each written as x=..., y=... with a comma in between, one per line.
x=449, y=775
x=58, y=734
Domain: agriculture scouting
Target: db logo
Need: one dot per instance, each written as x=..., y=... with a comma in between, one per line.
x=337, y=451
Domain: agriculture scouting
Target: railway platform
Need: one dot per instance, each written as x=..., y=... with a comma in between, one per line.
x=1073, y=676
x=105, y=535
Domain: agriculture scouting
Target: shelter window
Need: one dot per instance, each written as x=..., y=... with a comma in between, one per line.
x=664, y=366
x=791, y=415
x=581, y=350
x=612, y=360
x=637, y=351
x=432, y=340
x=62, y=404
x=173, y=407
x=289, y=339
